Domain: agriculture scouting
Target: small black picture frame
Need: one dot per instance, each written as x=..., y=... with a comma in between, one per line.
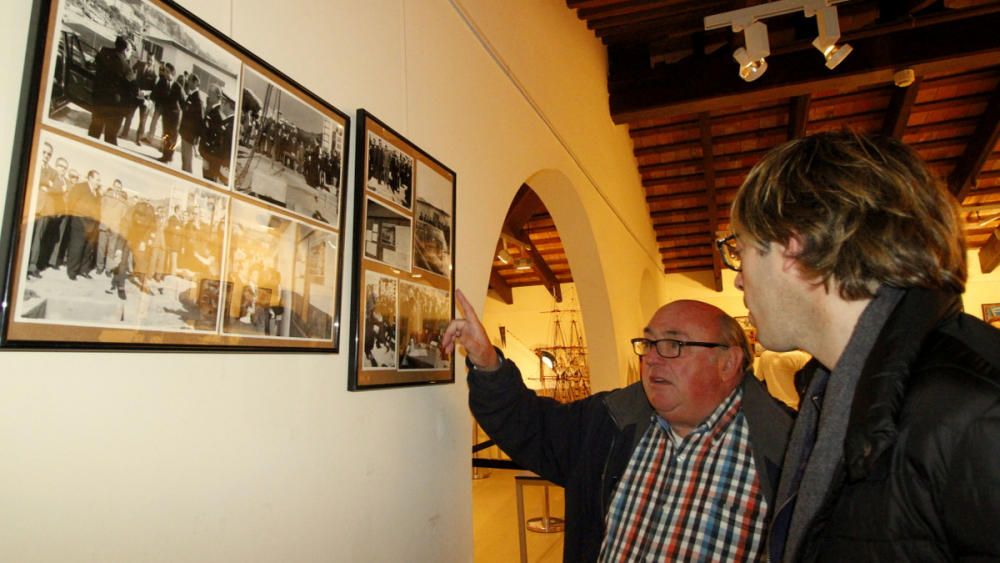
x=404, y=261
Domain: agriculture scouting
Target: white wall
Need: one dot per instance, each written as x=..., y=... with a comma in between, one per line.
x=240, y=457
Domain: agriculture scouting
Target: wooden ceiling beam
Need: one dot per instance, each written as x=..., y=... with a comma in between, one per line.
x=545, y=273
x=628, y=16
x=499, y=287
x=798, y=115
x=526, y=205
x=900, y=107
x=667, y=90
x=978, y=149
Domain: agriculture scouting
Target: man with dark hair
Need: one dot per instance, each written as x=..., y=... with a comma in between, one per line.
x=44, y=208
x=681, y=466
x=84, y=211
x=145, y=81
x=216, y=144
x=158, y=95
x=172, y=104
x=114, y=92
x=191, y=122
x=848, y=249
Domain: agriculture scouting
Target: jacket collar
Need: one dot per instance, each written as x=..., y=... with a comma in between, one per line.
x=629, y=406
x=878, y=398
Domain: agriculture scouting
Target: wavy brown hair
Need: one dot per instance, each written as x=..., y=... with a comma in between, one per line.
x=866, y=209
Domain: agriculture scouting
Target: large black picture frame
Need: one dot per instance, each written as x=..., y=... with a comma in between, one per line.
x=169, y=190
x=404, y=261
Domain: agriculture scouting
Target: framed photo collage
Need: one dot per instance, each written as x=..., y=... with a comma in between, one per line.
x=172, y=191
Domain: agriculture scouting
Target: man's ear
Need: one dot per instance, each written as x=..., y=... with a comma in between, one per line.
x=790, y=251
x=732, y=367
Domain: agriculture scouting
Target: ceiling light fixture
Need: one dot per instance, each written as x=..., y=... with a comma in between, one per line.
x=829, y=33
x=523, y=264
x=752, y=57
x=504, y=255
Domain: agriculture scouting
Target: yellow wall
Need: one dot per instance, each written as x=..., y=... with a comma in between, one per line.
x=980, y=288
x=267, y=457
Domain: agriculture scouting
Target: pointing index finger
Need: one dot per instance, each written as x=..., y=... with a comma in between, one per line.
x=464, y=307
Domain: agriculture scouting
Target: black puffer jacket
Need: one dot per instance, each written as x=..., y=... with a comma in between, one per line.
x=921, y=478
x=585, y=446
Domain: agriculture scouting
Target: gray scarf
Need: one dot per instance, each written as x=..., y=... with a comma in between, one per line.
x=828, y=452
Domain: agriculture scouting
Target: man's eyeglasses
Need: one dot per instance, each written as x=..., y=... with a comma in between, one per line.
x=729, y=253
x=668, y=347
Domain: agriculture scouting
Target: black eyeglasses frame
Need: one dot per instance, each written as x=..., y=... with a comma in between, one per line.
x=726, y=248
x=654, y=345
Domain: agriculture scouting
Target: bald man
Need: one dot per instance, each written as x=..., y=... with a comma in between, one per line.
x=682, y=465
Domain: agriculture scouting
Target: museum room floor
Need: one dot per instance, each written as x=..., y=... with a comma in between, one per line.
x=494, y=520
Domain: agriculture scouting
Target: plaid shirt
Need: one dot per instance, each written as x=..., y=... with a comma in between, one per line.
x=696, y=498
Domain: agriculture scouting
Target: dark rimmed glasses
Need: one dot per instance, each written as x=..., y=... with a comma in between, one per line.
x=668, y=347
x=729, y=253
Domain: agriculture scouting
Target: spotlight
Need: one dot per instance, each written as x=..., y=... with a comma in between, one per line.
x=504, y=255
x=829, y=32
x=752, y=57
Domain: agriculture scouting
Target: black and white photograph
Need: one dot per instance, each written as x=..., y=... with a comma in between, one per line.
x=432, y=237
x=405, y=204
x=132, y=76
x=289, y=154
x=116, y=245
x=275, y=281
x=390, y=172
x=381, y=295
x=119, y=233
x=424, y=314
x=387, y=236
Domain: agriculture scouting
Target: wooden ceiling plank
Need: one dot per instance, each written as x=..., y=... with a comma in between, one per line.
x=669, y=90
x=617, y=17
x=624, y=8
x=587, y=4
x=981, y=144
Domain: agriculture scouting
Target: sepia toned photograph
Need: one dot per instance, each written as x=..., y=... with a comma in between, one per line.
x=281, y=276
x=432, y=235
x=114, y=245
x=381, y=295
x=424, y=314
x=387, y=236
x=290, y=154
x=134, y=77
x=390, y=171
